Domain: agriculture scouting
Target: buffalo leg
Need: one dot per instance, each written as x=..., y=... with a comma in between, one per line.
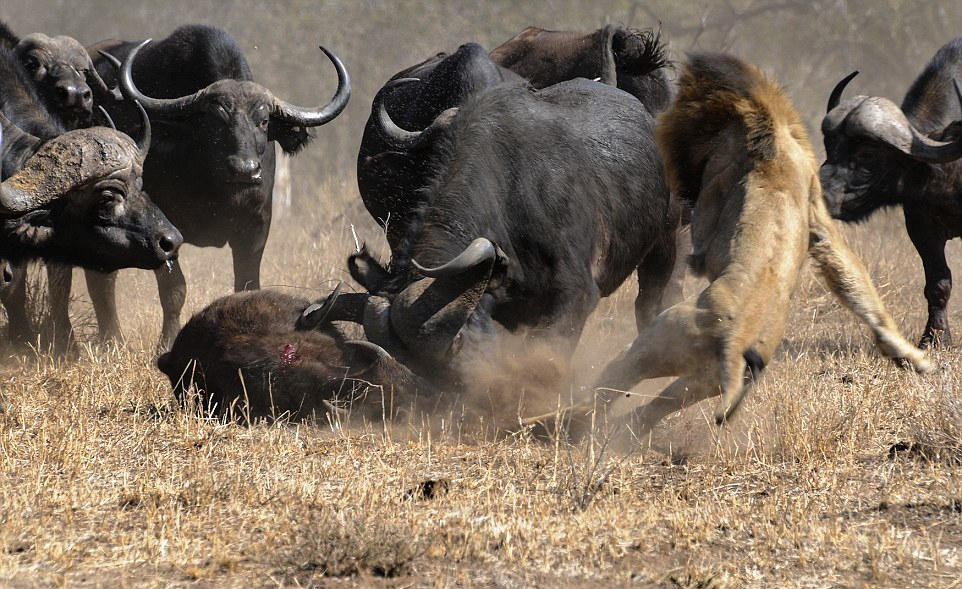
x=20, y=329
x=58, y=330
x=102, y=289
x=172, y=287
x=938, y=279
x=247, y=264
x=656, y=282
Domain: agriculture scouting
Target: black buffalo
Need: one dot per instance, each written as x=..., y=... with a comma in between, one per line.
x=879, y=155
x=388, y=178
x=77, y=199
x=633, y=60
x=61, y=74
x=540, y=202
x=212, y=166
x=86, y=203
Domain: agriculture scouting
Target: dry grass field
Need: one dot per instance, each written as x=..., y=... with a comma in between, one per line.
x=840, y=470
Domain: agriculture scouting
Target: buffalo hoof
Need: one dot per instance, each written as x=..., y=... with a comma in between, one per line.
x=936, y=338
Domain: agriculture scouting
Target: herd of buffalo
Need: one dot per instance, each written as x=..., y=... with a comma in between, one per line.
x=516, y=188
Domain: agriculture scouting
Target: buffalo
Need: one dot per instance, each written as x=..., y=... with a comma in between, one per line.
x=61, y=74
x=212, y=168
x=269, y=354
x=632, y=60
x=77, y=199
x=92, y=197
x=389, y=179
x=539, y=203
x=735, y=149
x=880, y=155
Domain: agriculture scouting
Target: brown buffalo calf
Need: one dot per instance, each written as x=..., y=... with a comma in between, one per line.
x=249, y=352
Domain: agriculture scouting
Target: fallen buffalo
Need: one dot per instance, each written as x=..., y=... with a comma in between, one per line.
x=255, y=352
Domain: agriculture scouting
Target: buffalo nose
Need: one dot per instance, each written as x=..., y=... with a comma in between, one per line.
x=73, y=95
x=168, y=242
x=246, y=168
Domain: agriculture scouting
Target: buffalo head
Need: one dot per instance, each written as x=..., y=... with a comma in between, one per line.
x=63, y=73
x=429, y=315
x=869, y=143
x=79, y=199
x=239, y=118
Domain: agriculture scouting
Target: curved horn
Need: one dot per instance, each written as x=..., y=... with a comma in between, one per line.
x=15, y=199
x=106, y=116
x=881, y=120
x=167, y=107
x=480, y=250
x=13, y=133
x=144, y=143
x=374, y=352
x=401, y=139
x=313, y=117
x=98, y=84
x=836, y=96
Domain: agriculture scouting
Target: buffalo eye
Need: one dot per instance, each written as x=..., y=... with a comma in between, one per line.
x=111, y=195
x=32, y=64
x=264, y=124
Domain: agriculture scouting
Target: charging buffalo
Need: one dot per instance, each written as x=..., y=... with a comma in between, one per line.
x=540, y=203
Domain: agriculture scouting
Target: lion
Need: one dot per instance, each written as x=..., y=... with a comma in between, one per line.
x=735, y=149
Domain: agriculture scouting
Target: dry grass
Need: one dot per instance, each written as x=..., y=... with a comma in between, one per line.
x=841, y=470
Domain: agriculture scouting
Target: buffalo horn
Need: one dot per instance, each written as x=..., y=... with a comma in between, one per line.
x=480, y=250
x=144, y=143
x=106, y=116
x=401, y=139
x=15, y=199
x=836, y=96
x=98, y=83
x=167, y=107
x=374, y=352
x=609, y=72
x=313, y=117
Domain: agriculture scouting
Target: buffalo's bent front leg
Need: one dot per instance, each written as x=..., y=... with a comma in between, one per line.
x=938, y=278
x=172, y=287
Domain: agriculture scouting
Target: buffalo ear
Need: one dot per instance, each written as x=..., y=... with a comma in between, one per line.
x=292, y=139
x=950, y=133
x=367, y=271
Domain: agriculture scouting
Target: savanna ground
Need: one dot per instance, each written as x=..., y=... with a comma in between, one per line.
x=839, y=470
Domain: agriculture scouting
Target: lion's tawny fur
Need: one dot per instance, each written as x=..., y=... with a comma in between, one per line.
x=734, y=147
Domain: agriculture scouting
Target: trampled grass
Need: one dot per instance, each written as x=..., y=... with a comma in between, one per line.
x=840, y=469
